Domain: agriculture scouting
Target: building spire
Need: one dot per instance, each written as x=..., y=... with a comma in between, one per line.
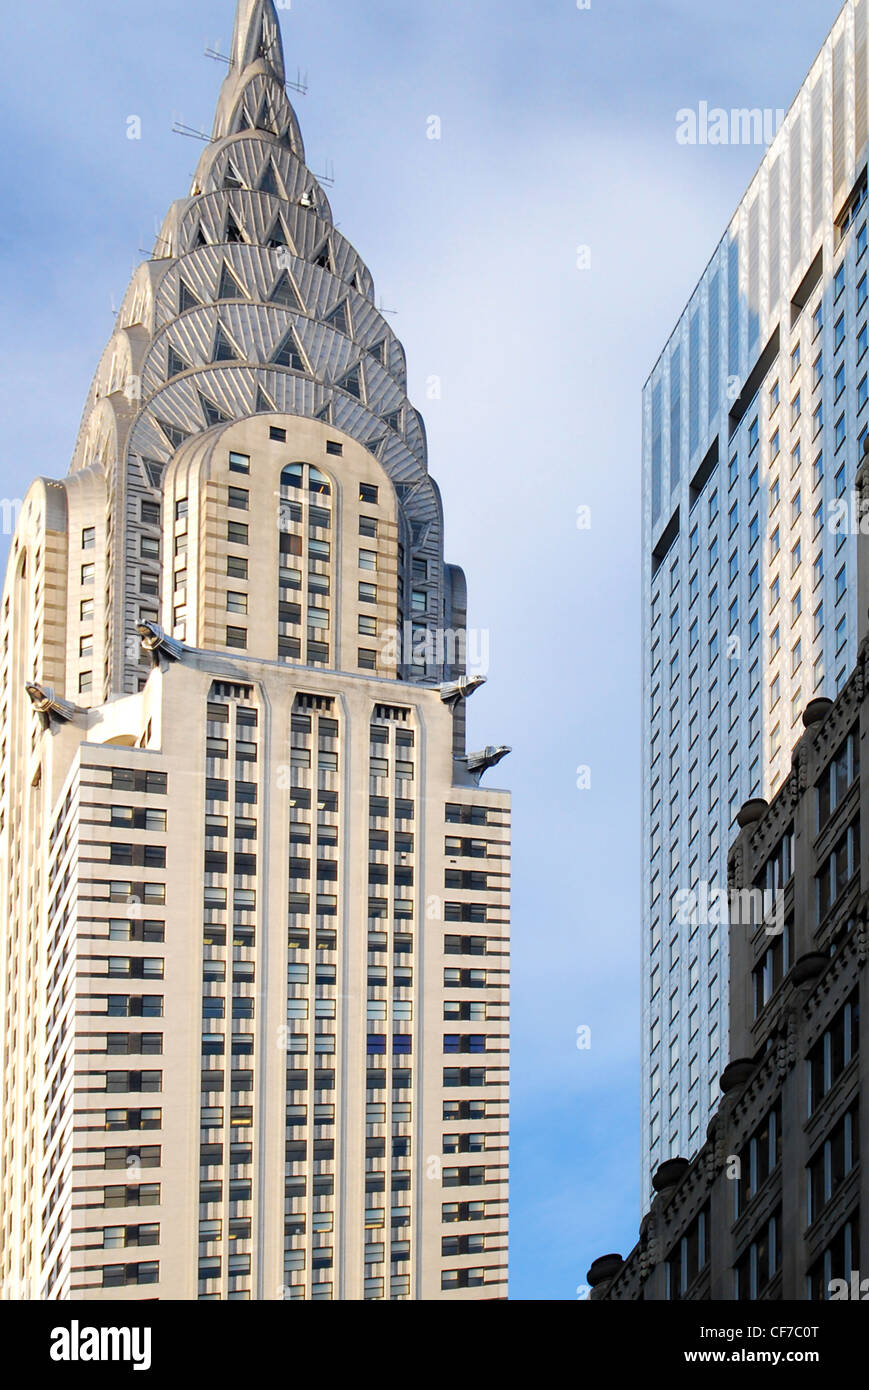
x=257, y=35
x=254, y=93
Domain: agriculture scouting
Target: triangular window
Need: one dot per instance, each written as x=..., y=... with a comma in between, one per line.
x=200, y=238
x=186, y=298
x=284, y=292
x=269, y=181
x=153, y=471
x=379, y=351
x=175, y=364
x=352, y=383
x=175, y=436
x=263, y=405
x=288, y=354
x=231, y=179
x=323, y=257
x=278, y=235
x=213, y=414
x=263, y=116
x=393, y=420
x=223, y=348
x=340, y=319
x=325, y=413
x=233, y=231
x=229, y=287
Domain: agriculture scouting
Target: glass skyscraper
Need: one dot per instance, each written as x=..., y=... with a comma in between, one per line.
x=753, y=422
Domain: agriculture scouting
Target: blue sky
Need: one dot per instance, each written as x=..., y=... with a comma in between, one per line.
x=558, y=131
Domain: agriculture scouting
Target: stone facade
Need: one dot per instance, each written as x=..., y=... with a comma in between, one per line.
x=255, y=902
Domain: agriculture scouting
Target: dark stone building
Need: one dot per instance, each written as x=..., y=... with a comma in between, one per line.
x=770, y=1207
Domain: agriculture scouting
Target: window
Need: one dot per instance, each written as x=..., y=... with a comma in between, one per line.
x=238, y=497
x=760, y=1263
x=88, y=538
x=753, y=435
x=368, y=560
x=833, y=1052
x=236, y=637
x=837, y=778
x=236, y=602
x=840, y=431
x=239, y=463
x=837, y=870
x=688, y=1257
x=236, y=567
x=367, y=492
x=831, y=1163
x=237, y=533
x=841, y=586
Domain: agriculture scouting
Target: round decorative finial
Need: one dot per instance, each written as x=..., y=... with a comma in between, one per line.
x=816, y=711
x=669, y=1173
x=736, y=1074
x=605, y=1268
